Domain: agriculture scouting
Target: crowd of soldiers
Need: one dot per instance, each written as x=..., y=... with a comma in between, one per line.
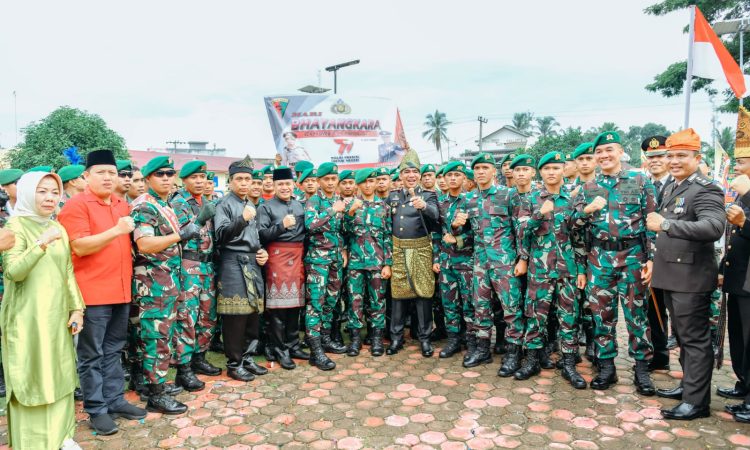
x=543, y=253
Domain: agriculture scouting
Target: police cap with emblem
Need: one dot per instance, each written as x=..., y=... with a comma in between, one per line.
x=654, y=145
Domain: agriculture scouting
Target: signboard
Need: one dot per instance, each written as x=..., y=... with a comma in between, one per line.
x=353, y=132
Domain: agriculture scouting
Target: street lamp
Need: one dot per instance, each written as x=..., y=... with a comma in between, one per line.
x=335, y=70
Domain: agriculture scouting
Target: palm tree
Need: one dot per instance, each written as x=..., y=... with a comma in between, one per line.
x=522, y=121
x=546, y=125
x=437, y=125
x=726, y=139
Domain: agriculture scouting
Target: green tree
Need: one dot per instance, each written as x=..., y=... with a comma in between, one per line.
x=522, y=121
x=726, y=139
x=564, y=141
x=546, y=125
x=437, y=126
x=635, y=136
x=65, y=127
x=671, y=81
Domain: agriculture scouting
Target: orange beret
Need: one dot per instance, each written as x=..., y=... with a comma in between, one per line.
x=684, y=140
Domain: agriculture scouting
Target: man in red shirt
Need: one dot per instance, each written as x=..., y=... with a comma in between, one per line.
x=99, y=226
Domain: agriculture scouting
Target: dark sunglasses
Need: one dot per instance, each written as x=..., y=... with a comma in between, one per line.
x=165, y=173
x=125, y=173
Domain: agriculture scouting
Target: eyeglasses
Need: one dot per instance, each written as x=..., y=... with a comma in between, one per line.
x=124, y=174
x=165, y=173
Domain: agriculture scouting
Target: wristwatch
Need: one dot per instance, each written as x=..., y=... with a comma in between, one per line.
x=665, y=225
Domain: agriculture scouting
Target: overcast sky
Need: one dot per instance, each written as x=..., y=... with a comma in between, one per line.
x=158, y=71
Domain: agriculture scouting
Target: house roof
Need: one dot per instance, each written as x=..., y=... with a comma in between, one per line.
x=510, y=128
x=218, y=164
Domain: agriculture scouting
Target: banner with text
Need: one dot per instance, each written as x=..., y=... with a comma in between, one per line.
x=353, y=132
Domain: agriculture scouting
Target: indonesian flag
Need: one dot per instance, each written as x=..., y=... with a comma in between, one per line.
x=712, y=60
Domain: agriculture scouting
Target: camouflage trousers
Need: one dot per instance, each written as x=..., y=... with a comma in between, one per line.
x=157, y=317
x=608, y=287
x=366, y=284
x=455, y=291
x=135, y=345
x=323, y=286
x=199, y=296
x=539, y=298
x=715, y=309
x=489, y=283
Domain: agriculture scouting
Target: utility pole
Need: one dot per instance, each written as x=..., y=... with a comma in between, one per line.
x=174, y=144
x=15, y=114
x=481, y=120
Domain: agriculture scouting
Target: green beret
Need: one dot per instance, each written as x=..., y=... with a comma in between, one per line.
x=210, y=175
x=268, y=170
x=427, y=168
x=587, y=148
x=380, y=171
x=523, y=160
x=346, y=175
x=301, y=166
x=40, y=169
x=365, y=174
x=607, y=137
x=160, y=162
x=327, y=168
x=9, y=176
x=124, y=164
x=308, y=173
x=72, y=172
x=395, y=171
x=483, y=158
x=395, y=176
x=454, y=166
x=192, y=167
x=469, y=174
x=504, y=159
x=258, y=175
x=551, y=157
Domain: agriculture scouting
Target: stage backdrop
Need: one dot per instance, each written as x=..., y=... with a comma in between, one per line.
x=353, y=132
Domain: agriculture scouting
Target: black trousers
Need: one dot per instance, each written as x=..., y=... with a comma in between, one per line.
x=658, y=336
x=100, y=345
x=690, y=313
x=239, y=331
x=423, y=308
x=283, y=328
x=738, y=327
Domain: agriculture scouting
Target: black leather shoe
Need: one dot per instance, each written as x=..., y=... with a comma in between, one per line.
x=530, y=366
x=160, y=401
x=686, y=411
x=452, y=347
x=511, y=362
x=742, y=417
x=376, y=341
x=329, y=345
x=658, y=365
x=356, y=344
x=396, y=345
x=238, y=372
x=545, y=362
x=427, y=350
x=200, y=365
x=298, y=353
x=674, y=394
x=187, y=379
x=738, y=408
x=127, y=411
x=731, y=393
x=642, y=379
x=672, y=342
x=318, y=358
x=284, y=359
x=607, y=375
x=248, y=362
x=103, y=424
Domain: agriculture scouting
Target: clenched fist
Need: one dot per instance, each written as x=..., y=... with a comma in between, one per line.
x=289, y=221
x=459, y=220
x=261, y=257
x=654, y=221
x=741, y=184
x=735, y=215
x=355, y=205
x=547, y=207
x=338, y=206
x=49, y=236
x=596, y=204
x=248, y=213
x=418, y=202
x=125, y=225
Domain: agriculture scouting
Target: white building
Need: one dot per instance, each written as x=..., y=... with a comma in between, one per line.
x=500, y=142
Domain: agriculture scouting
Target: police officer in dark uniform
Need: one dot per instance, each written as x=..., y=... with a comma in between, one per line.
x=655, y=150
x=689, y=220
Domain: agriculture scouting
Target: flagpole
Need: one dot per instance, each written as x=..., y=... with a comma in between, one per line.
x=689, y=75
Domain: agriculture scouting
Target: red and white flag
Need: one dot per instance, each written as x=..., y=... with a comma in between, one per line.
x=712, y=60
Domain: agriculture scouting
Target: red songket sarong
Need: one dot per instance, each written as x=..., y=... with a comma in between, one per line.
x=285, y=275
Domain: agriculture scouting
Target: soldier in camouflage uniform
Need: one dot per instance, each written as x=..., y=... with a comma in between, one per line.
x=156, y=276
x=324, y=262
x=427, y=182
x=456, y=256
x=367, y=229
x=197, y=309
x=346, y=189
x=493, y=213
x=620, y=260
x=555, y=270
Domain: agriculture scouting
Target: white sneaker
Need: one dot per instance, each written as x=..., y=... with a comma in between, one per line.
x=70, y=444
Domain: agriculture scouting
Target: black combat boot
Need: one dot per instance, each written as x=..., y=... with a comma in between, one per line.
x=336, y=336
x=159, y=401
x=545, y=362
x=642, y=379
x=471, y=345
x=356, y=345
x=200, y=365
x=590, y=352
x=376, y=349
x=318, y=357
x=368, y=339
x=187, y=379
x=216, y=345
x=136, y=379
x=328, y=345
x=237, y=371
x=569, y=371
x=607, y=375
x=481, y=355
x=284, y=359
x=452, y=347
x=530, y=365
x=397, y=343
x=511, y=362
x=500, y=344
x=561, y=362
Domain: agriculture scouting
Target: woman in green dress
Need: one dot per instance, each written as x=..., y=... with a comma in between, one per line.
x=41, y=308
